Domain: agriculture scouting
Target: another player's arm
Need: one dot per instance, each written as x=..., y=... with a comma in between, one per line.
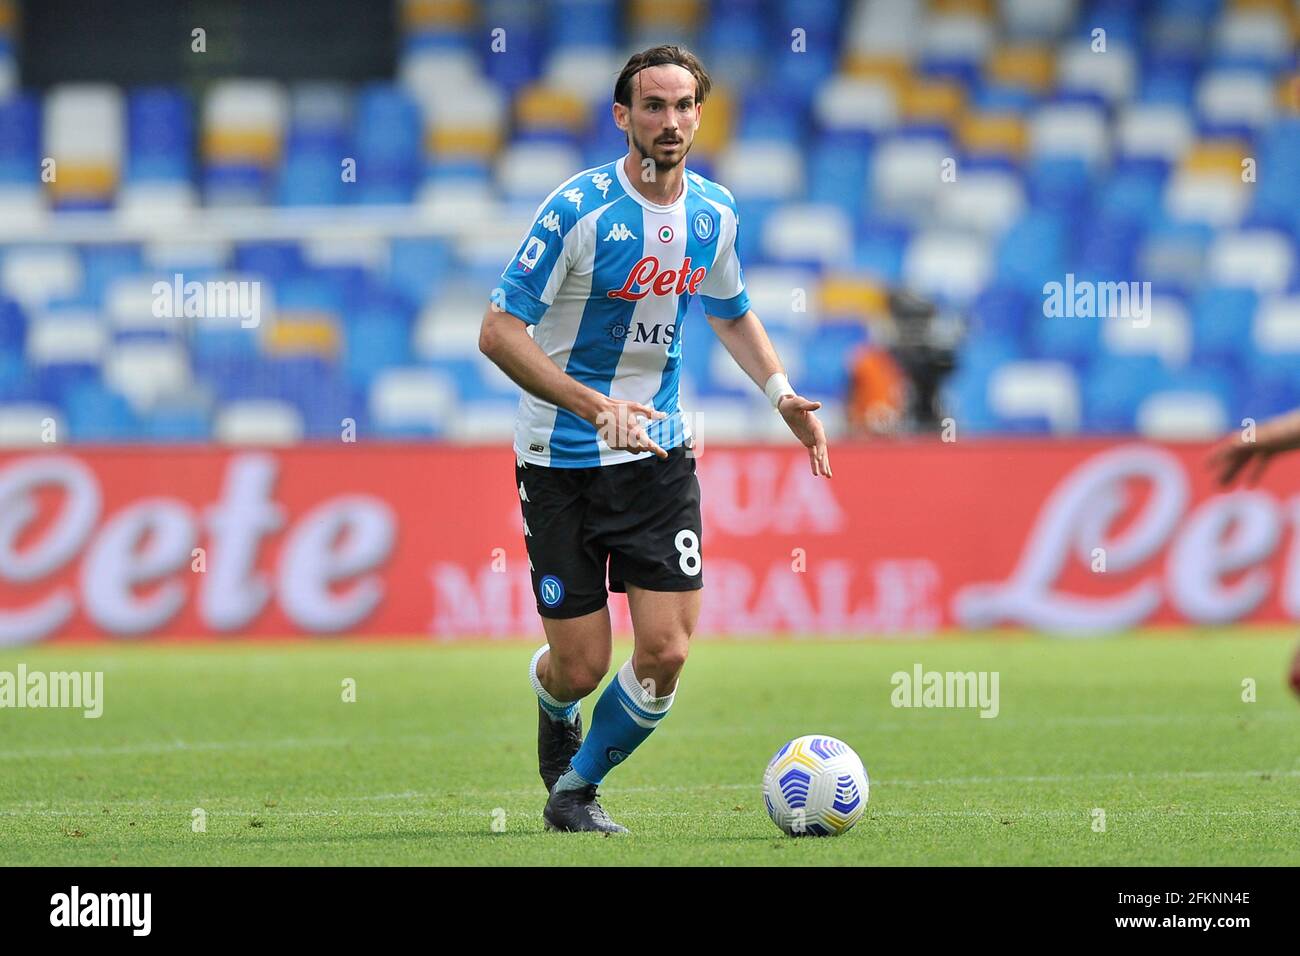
x=747, y=341
x=1230, y=455
x=504, y=339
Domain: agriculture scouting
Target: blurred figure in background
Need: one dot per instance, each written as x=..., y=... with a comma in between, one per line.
x=896, y=377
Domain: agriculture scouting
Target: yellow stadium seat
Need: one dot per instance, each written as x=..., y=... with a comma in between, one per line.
x=542, y=107
x=717, y=123
x=468, y=141
x=979, y=8
x=1221, y=157
x=1026, y=66
x=302, y=333
x=83, y=181
x=847, y=294
x=418, y=14
x=932, y=101
x=1278, y=6
x=1288, y=92
x=1001, y=134
x=256, y=146
x=893, y=70
x=679, y=14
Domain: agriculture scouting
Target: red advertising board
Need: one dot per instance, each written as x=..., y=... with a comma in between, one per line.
x=1072, y=537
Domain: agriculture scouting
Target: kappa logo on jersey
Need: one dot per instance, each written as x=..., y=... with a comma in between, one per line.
x=618, y=232
x=602, y=182
x=550, y=221
x=533, y=250
x=647, y=274
x=574, y=196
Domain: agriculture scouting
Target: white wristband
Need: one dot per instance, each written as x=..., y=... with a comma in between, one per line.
x=777, y=386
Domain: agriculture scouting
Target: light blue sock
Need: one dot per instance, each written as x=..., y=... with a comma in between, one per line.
x=624, y=716
x=558, y=709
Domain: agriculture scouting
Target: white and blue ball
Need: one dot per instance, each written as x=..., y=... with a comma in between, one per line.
x=815, y=786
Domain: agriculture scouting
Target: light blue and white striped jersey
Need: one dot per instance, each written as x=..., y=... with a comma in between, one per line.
x=604, y=276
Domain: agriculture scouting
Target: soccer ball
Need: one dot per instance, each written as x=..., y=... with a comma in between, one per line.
x=815, y=786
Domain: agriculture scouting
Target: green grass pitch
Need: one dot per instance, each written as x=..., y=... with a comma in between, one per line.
x=440, y=743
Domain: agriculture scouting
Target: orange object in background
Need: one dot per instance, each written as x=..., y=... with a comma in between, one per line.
x=878, y=393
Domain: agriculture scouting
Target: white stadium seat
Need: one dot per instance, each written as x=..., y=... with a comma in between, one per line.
x=1070, y=129
x=807, y=232
x=1036, y=389
x=947, y=265
x=774, y=293
x=147, y=372
x=483, y=421
x=39, y=274
x=957, y=37
x=1167, y=333
x=906, y=173
x=886, y=27
x=1152, y=130
x=1211, y=198
x=411, y=398
x=1037, y=18
x=24, y=425
x=1181, y=416
x=986, y=201
x=1112, y=74
x=75, y=336
x=531, y=170
x=258, y=422
x=84, y=125
x=1235, y=96
x=1258, y=34
x=1254, y=258
x=1276, y=327
x=443, y=332
x=762, y=170
x=846, y=103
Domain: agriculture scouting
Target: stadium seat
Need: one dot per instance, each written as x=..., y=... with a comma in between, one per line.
x=259, y=422
x=1026, y=395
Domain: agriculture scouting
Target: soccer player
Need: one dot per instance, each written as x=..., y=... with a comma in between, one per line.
x=1233, y=453
x=588, y=322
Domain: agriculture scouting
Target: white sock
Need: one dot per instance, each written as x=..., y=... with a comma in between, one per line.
x=558, y=709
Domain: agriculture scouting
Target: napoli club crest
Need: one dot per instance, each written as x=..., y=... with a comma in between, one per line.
x=704, y=226
x=551, y=590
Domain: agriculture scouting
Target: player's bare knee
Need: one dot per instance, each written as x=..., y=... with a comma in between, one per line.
x=661, y=663
x=578, y=677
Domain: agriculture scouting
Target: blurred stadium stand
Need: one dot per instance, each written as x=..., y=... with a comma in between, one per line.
x=1117, y=166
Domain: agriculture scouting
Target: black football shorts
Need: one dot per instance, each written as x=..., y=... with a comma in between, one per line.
x=641, y=518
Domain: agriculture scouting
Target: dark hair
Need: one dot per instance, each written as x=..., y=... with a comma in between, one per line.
x=659, y=56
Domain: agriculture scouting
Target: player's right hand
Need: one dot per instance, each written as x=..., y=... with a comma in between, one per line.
x=621, y=425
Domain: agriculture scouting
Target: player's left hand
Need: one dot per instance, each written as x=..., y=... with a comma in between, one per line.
x=1227, y=459
x=798, y=414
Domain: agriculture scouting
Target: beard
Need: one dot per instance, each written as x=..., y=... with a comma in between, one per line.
x=663, y=166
